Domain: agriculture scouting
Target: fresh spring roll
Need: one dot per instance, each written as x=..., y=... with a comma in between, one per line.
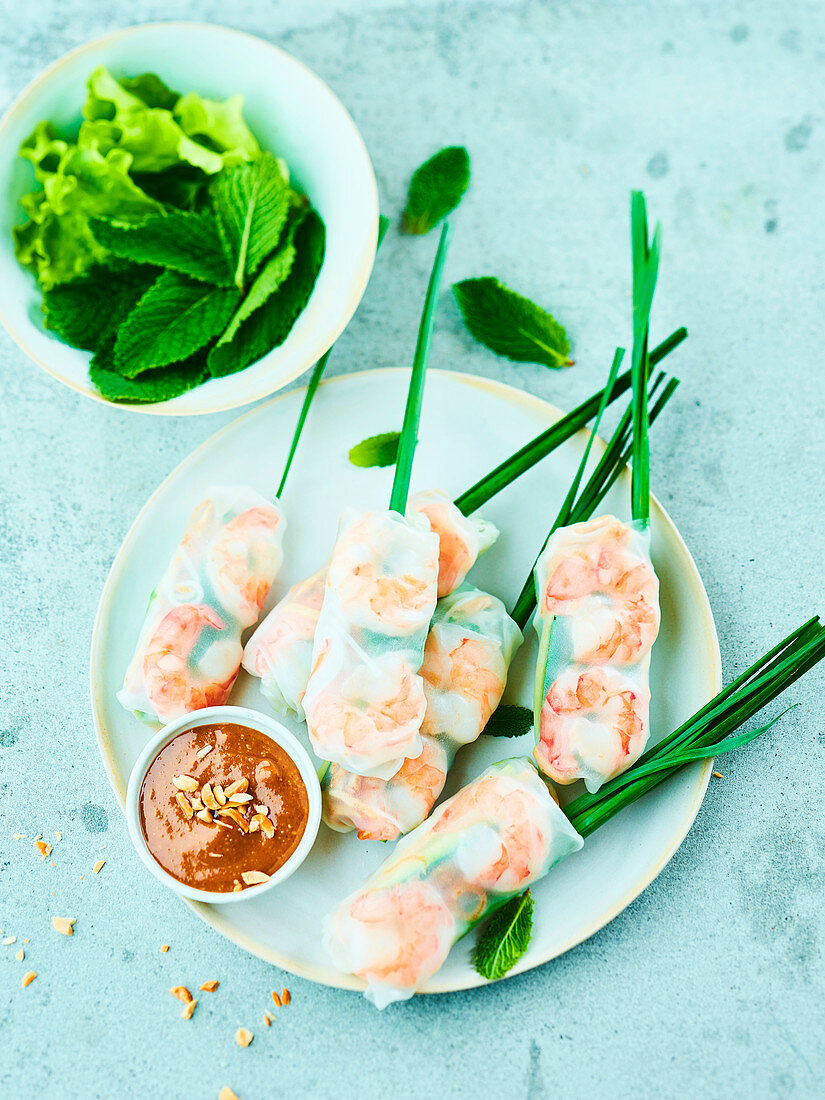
x=497, y=836
x=189, y=649
x=461, y=539
x=598, y=617
x=471, y=642
x=280, y=650
x=365, y=703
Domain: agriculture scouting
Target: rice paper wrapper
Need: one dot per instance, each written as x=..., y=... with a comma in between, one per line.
x=364, y=703
x=598, y=617
x=461, y=539
x=189, y=648
x=280, y=650
x=490, y=841
x=471, y=643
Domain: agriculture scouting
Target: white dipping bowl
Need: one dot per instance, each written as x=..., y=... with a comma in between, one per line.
x=291, y=112
x=241, y=716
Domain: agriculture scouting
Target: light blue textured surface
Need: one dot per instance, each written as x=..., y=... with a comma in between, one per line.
x=712, y=983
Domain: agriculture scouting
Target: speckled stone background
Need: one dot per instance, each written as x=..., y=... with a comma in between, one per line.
x=713, y=982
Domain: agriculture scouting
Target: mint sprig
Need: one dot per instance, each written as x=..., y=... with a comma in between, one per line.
x=186, y=242
x=175, y=318
x=152, y=386
x=376, y=450
x=436, y=188
x=509, y=720
x=269, y=326
x=85, y=311
x=510, y=324
x=251, y=201
x=504, y=938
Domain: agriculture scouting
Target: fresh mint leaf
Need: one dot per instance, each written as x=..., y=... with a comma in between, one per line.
x=155, y=385
x=510, y=324
x=509, y=721
x=252, y=202
x=83, y=312
x=383, y=226
x=172, y=320
x=436, y=188
x=504, y=938
x=270, y=325
x=377, y=450
x=272, y=274
x=182, y=241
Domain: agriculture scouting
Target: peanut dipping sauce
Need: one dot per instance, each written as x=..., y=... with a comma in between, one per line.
x=217, y=845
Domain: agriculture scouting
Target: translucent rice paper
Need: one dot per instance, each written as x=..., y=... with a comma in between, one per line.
x=189, y=649
x=471, y=643
x=598, y=617
x=497, y=836
x=365, y=701
x=461, y=539
x=280, y=650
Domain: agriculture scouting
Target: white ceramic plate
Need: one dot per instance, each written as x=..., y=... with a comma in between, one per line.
x=468, y=425
x=291, y=112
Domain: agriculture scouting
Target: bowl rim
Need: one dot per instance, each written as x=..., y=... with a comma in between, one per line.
x=363, y=266
x=264, y=724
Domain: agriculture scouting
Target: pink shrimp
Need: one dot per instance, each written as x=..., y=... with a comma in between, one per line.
x=510, y=813
x=385, y=573
x=382, y=809
x=401, y=936
x=594, y=723
x=373, y=711
x=457, y=539
x=593, y=574
x=245, y=559
x=471, y=671
x=167, y=669
x=291, y=622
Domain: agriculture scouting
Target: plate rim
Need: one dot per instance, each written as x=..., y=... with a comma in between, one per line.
x=212, y=915
x=168, y=408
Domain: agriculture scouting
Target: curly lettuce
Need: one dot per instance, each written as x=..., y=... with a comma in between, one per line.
x=140, y=146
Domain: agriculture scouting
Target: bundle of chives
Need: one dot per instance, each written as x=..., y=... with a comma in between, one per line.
x=709, y=732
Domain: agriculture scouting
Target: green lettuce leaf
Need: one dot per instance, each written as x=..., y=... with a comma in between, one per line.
x=218, y=124
x=156, y=137
x=151, y=90
x=77, y=185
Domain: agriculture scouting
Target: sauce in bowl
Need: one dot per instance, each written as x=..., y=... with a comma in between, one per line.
x=222, y=807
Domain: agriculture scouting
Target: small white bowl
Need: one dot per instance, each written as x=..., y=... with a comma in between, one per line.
x=243, y=716
x=291, y=112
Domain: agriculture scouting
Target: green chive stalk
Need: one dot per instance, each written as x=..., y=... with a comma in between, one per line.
x=617, y=453
x=711, y=730
x=645, y=271
x=412, y=415
x=320, y=366
x=523, y=460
